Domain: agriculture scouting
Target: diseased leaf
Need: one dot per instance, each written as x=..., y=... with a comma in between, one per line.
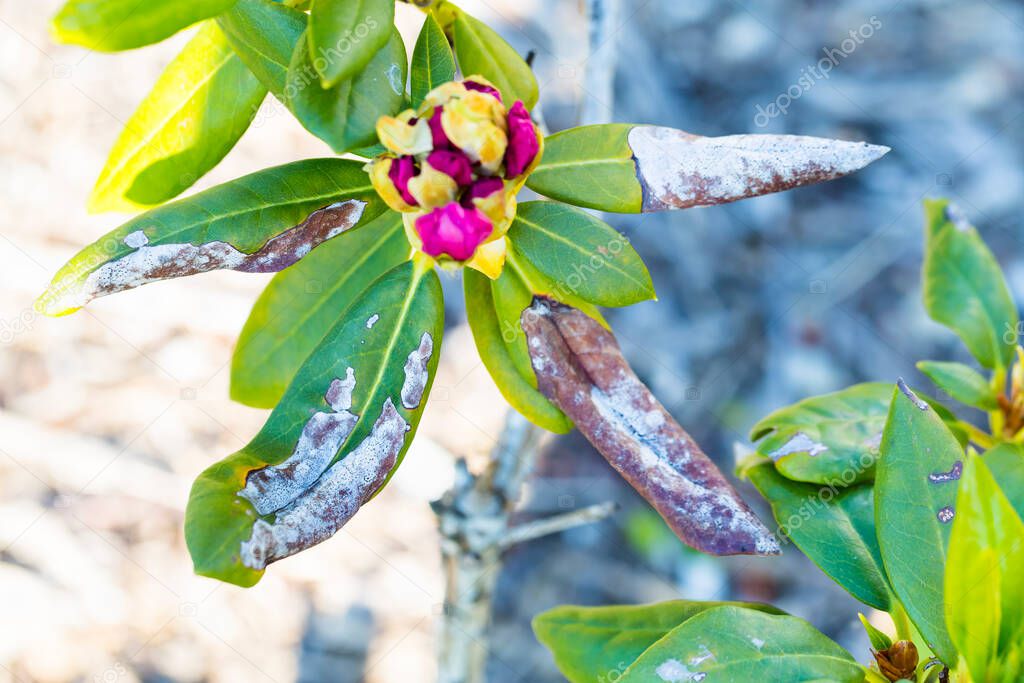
x=199, y=108
x=433, y=63
x=827, y=439
x=964, y=287
x=260, y=223
x=984, y=567
x=915, y=492
x=345, y=34
x=338, y=434
x=832, y=439
x=345, y=116
x=264, y=34
x=732, y=643
x=961, y=382
x=1006, y=462
x=496, y=357
x=110, y=25
x=303, y=302
x=580, y=368
x=599, y=643
x=834, y=528
x=583, y=255
x=482, y=51
x=629, y=168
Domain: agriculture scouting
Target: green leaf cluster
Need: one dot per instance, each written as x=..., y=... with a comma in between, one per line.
x=883, y=489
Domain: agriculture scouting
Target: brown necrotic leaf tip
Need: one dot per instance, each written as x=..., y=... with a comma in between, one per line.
x=580, y=368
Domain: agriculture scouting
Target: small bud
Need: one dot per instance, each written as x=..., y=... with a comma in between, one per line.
x=523, y=144
x=390, y=179
x=480, y=84
x=454, y=164
x=476, y=124
x=432, y=187
x=899, y=661
x=404, y=134
x=401, y=172
x=453, y=231
x=438, y=136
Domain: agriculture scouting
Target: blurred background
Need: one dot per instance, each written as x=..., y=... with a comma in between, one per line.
x=108, y=415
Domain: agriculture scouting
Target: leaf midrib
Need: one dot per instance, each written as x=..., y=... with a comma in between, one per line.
x=572, y=245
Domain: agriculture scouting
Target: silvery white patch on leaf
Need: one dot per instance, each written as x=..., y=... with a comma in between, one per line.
x=679, y=170
x=154, y=262
x=333, y=499
x=416, y=374
x=271, y=488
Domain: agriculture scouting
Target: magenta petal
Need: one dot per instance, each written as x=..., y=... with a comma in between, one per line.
x=455, y=164
x=402, y=169
x=453, y=230
x=523, y=145
x=440, y=138
x=484, y=187
x=480, y=87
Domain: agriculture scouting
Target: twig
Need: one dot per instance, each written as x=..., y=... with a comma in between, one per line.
x=553, y=525
x=599, y=72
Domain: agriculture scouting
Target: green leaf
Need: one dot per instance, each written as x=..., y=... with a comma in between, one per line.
x=338, y=433
x=264, y=35
x=961, y=382
x=833, y=439
x=879, y=640
x=590, y=166
x=199, y=108
x=580, y=253
x=598, y=643
x=345, y=116
x=433, y=63
x=733, y=643
x=482, y=51
x=827, y=439
x=835, y=529
x=490, y=343
x=110, y=25
x=262, y=222
x=915, y=491
x=494, y=310
x=303, y=302
x=1006, y=462
x=964, y=287
x=345, y=34
x=984, y=567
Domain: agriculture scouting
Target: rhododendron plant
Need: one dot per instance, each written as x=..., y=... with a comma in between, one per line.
x=431, y=159
x=440, y=189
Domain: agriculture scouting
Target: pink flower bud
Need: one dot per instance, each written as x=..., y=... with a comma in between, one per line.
x=455, y=164
x=484, y=187
x=481, y=87
x=440, y=138
x=453, y=230
x=523, y=145
x=402, y=169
